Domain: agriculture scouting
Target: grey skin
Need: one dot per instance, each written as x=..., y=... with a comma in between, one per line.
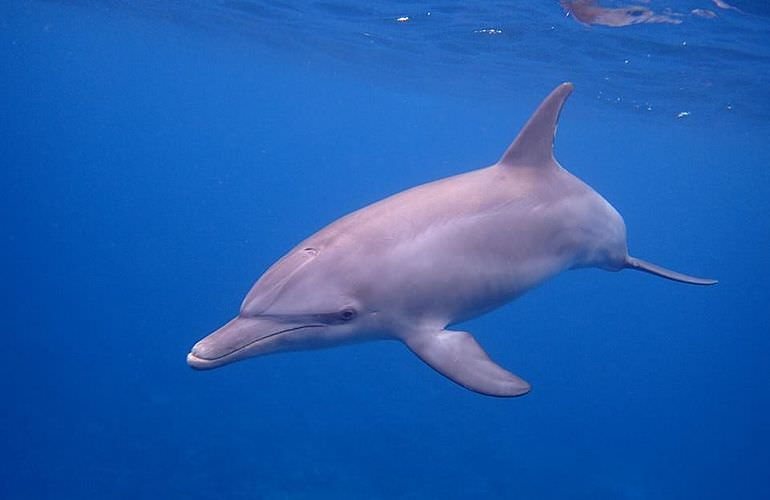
x=407, y=267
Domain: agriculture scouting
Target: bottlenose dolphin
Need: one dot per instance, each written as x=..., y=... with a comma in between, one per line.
x=410, y=265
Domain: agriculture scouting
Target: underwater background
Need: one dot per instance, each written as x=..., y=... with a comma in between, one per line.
x=158, y=156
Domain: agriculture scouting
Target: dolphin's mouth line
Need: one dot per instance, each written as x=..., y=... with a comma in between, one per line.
x=248, y=344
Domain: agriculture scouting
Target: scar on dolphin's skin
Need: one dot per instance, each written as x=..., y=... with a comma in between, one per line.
x=591, y=13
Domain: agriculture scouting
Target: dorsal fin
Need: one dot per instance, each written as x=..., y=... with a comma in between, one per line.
x=534, y=145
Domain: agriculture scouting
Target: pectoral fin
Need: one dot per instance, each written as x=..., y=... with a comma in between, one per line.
x=457, y=356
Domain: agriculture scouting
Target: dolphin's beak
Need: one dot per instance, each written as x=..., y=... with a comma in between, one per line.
x=240, y=338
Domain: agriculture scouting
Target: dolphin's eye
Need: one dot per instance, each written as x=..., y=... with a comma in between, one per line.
x=347, y=314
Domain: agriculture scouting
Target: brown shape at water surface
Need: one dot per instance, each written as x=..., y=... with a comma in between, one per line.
x=591, y=13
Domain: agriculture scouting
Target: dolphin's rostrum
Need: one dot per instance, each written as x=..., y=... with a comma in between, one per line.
x=408, y=266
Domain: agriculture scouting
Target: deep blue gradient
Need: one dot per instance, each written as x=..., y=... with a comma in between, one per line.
x=157, y=157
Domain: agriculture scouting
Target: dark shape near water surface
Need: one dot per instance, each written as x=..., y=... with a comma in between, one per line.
x=590, y=12
x=407, y=267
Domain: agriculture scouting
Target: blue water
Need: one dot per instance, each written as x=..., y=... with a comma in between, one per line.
x=159, y=156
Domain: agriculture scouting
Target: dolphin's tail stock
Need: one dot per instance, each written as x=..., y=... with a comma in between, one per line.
x=640, y=265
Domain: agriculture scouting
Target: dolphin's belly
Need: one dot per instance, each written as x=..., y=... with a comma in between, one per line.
x=465, y=267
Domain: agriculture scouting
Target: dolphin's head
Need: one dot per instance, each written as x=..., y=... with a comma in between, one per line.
x=305, y=301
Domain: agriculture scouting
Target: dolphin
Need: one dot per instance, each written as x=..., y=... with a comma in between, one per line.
x=411, y=265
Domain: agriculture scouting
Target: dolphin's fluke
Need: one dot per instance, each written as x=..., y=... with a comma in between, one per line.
x=457, y=356
x=640, y=265
x=534, y=145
